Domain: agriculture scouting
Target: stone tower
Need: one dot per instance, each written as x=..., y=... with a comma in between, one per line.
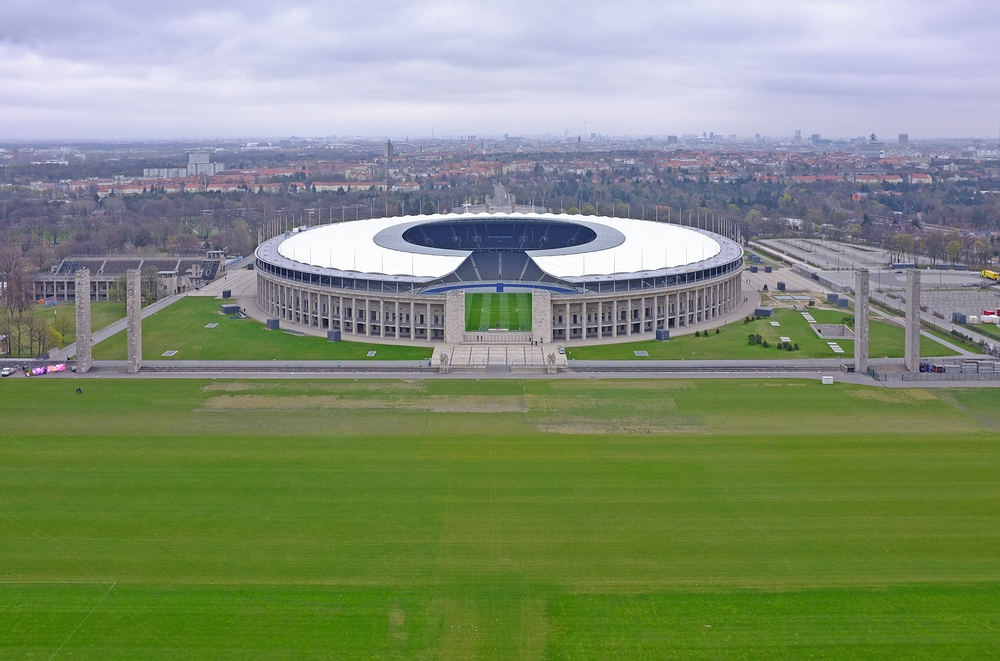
x=861, y=309
x=134, y=316
x=912, y=359
x=83, y=339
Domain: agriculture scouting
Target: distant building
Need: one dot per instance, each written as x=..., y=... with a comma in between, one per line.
x=904, y=140
x=798, y=137
x=872, y=148
x=199, y=163
x=921, y=179
x=671, y=139
x=173, y=275
x=388, y=152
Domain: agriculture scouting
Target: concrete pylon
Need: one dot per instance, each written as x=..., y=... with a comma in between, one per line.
x=912, y=355
x=454, y=316
x=83, y=338
x=133, y=289
x=541, y=315
x=861, y=310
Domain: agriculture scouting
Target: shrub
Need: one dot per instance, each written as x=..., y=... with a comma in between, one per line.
x=796, y=346
x=716, y=331
x=765, y=344
x=697, y=333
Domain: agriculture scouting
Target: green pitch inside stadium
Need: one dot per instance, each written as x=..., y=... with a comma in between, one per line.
x=498, y=311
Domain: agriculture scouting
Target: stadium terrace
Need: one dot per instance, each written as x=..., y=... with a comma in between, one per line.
x=587, y=277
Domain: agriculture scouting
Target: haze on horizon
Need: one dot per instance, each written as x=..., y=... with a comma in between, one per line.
x=103, y=69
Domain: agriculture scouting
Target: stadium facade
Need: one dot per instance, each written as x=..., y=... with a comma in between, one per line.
x=590, y=277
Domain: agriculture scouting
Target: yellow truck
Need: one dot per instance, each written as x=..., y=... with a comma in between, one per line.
x=991, y=275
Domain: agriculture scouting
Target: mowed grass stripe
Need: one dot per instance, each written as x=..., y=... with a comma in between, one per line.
x=501, y=316
x=524, y=311
x=578, y=519
x=473, y=312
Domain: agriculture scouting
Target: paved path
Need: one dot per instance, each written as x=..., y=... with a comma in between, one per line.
x=858, y=379
x=99, y=336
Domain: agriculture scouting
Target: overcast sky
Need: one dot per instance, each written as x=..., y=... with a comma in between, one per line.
x=216, y=68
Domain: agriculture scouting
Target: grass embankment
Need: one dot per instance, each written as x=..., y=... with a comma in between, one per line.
x=102, y=313
x=166, y=519
x=62, y=318
x=885, y=341
x=182, y=327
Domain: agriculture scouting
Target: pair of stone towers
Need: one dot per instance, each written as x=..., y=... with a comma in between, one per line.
x=862, y=288
x=84, y=339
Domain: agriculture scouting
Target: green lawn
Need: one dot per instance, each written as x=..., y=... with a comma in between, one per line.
x=968, y=345
x=885, y=340
x=641, y=519
x=181, y=327
x=102, y=313
x=506, y=311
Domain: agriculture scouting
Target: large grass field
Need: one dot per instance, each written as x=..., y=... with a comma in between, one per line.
x=885, y=341
x=182, y=327
x=506, y=311
x=451, y=519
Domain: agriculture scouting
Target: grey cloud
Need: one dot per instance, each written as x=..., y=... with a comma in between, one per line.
x=107, y=67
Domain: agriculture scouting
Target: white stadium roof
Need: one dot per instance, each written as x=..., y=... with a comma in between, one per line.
x=647, y=246
x=351, y=246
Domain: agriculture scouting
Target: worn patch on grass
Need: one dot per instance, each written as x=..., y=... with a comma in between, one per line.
x=615, y=384
x=332, y=386
x=882, y=395
x=397, y=620
x=589, y=405
x=613, y=429
x=434, y=403
x=619, y=427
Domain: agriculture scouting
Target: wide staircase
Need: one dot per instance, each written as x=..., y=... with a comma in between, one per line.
x=497, y=337
x=493, y=355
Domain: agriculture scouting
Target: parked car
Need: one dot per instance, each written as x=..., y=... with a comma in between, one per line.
x=7, y=371
x=561, y=349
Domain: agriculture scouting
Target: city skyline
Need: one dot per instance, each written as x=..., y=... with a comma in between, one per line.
x=99, y=70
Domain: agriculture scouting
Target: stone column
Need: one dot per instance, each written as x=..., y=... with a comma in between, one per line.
x=861, y=308
x=83, y=339
x=912, y=359
x=541, y=315
x=454, y=316
x=133, y=284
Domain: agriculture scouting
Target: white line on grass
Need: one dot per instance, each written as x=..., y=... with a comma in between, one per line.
x=83, y=620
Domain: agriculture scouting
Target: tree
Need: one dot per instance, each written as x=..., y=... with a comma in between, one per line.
x=118, y=290
x=42, y=255
x=900, y=245
x=63, y=324
x=934, y=246
x=15, y=287
x=953, y=249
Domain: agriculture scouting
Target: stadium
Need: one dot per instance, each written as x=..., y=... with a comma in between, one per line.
x=498, y=277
